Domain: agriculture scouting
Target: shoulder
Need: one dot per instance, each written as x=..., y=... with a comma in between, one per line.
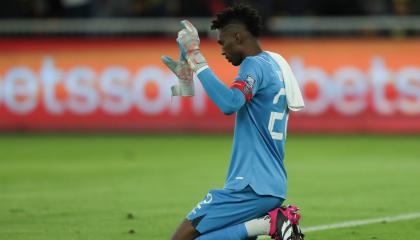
x=253, y=63
x=261, y=60
x=252, y=60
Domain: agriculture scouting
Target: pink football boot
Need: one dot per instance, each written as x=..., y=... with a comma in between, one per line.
x=284, y=223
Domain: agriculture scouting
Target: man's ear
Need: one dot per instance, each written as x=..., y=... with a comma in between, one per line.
x=239, y=38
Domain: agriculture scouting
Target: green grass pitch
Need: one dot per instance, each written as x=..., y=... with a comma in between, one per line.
x=141, y=186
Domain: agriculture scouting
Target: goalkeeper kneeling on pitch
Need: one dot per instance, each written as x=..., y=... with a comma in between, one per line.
x=261, y=95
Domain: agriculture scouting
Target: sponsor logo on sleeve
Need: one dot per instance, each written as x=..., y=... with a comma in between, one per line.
x=249, y=85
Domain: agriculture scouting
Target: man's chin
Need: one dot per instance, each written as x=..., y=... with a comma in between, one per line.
x=235, y=63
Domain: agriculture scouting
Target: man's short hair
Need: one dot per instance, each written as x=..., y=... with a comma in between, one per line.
x=242, y=14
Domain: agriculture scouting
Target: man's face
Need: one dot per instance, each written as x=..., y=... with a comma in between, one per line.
x=231, y=47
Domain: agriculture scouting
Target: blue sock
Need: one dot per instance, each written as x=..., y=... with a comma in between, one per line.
x=236, y=232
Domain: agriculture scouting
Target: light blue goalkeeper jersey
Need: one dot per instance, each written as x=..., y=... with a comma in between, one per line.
x=258, y=97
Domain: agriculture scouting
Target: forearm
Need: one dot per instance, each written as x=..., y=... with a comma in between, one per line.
x=226, y=99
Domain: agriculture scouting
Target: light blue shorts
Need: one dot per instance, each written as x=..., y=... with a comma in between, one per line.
x=224, y=207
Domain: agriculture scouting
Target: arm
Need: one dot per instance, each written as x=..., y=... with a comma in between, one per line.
x=228, y=100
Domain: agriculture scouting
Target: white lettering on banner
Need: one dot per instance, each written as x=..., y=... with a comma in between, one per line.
x=317, y=75
x=380, y=77
x=83, y=96
x=408, y=84
x=51, y=76
x=144, y=104
x=20, y=90
x=1, y=87
x=116, y=90
x=115, y=85
x=348, y=88
x=351, y=87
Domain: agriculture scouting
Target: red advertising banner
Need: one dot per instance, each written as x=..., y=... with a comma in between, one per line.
x=97, y=84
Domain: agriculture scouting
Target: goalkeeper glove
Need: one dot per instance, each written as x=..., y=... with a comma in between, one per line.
x=189, y=43
x=184, y=74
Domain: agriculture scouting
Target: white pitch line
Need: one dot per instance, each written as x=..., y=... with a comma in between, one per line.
x=354, y=223
x=362, y=222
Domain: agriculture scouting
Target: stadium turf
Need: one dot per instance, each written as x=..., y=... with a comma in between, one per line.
x=141, y=186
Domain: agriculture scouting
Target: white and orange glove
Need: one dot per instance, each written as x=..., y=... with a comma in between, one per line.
x=189, y=43
x=184, y=74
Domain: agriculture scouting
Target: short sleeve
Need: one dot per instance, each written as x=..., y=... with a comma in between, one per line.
x=249, y=78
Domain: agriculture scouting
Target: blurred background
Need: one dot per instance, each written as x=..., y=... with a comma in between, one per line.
x=93, y=66
x=285, y=17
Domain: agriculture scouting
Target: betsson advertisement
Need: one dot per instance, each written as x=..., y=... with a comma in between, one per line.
x=121, y=85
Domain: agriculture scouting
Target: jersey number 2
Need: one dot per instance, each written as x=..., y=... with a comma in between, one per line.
x=276, y=116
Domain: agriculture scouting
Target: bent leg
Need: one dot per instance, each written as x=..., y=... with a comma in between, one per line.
x=249, y=230
x=236, y=232
x=185, y=231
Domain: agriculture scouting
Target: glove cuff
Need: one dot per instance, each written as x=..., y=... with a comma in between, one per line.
x=185, y=88
x=196, y=61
